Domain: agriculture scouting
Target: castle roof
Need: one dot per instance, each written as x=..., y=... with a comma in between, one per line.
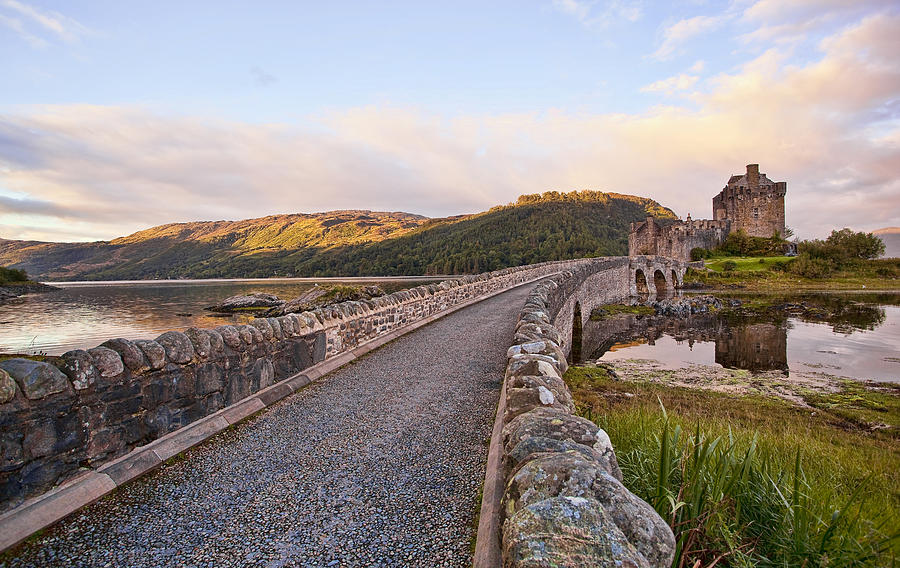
x=741, y=179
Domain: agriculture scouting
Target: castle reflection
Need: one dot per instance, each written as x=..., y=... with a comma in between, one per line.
x=753, y=346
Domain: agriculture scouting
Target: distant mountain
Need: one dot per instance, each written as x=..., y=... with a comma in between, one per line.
x=891, y=238
x=536, y=228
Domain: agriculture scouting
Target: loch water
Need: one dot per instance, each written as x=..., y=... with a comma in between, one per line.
x=81, y=315
x=852, y=335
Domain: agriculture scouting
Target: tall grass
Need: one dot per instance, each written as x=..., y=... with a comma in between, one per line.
x=733, y=499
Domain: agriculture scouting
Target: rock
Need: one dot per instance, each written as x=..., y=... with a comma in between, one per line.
x=107, y=362
x=534, y=365
x=230, y=336
x=199, y=339
x=322, y=296
x=570, y=474
x=566, y=531
x=153, y=351
x=277, y=332
x=264, y=327
x=78, y=365
x=533, y=446
x=216, y=343
x=257, y=300
x=7, y=387
x=287, y=326
x=556, y=424
x=131, y=354
x=36, y=378
x=178, y=347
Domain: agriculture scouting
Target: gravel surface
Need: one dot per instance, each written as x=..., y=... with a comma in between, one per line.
x=378, y=464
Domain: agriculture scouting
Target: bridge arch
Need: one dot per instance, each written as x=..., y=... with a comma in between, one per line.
x=642, y=286
x=661, y=284
x=577, y=325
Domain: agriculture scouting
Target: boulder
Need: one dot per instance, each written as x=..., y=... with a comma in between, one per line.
x=131, y=354
x=107, y=362
x=535, y=446
x=569, y=474
x=230, y=336
x=154, y=352
x=200, y=342
x=7, y=387
x=257, y=300
x=178, y=347
x=264, y=327
x=78, y=365
x=566, y=531
x=36, y=379
x=556, y=424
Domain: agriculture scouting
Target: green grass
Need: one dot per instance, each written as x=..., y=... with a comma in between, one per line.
x=753, y=481
x=746, y=263
x=870, y=275
x=609, y=310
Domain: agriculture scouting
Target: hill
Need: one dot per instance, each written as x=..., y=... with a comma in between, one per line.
x=535, y=228
x=891, y=238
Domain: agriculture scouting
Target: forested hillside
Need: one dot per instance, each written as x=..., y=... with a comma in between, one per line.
x=536, y=228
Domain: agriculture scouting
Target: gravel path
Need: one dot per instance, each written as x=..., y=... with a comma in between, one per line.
x=378, y=464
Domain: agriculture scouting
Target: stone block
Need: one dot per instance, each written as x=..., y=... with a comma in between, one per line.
x=78, y=365
x=200, y=343
x=130, y=466
x=178, y=347
x=154, y=352
x=132, y=355
x=188, y=437
x=18, y=524
x=7, y=387
x=107, y=362
x=36, y=379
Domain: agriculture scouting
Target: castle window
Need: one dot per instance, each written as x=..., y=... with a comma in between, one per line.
x=756, y=212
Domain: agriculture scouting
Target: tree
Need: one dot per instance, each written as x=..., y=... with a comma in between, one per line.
x=856, y=245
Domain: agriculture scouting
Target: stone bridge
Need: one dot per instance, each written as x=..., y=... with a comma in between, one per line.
x=377, y=462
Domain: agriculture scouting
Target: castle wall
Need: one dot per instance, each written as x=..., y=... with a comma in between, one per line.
x=676, y=240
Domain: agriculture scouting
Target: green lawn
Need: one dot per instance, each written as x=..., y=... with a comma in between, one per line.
x=746, y=263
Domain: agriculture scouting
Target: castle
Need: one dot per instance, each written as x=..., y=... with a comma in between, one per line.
x=750, y=202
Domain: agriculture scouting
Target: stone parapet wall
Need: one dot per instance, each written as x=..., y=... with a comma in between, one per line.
x=91, y=406
x=564, y=503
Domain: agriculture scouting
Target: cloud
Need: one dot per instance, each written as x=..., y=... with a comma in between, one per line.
x=829, y=128
x=677, y=34
x=792, y=22
x=16, y=25
x=596, y=13
x=54, y=23
x=671, y=85
x=262, y=78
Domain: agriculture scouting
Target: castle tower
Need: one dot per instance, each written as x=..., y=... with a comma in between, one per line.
x=752, y=202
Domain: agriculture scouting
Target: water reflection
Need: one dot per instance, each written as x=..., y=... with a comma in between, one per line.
x=836, y=334
x=83, y=315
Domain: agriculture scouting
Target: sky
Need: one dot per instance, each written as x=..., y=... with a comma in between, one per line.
x=118, y=116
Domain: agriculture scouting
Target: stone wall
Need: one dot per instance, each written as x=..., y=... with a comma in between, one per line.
x=91, y=406
x=676, y=240
x=564, y=503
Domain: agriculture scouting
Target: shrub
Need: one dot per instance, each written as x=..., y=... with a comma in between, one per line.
x=811, y=267
x=12, y=275
x=698, y=253
x=729, y=266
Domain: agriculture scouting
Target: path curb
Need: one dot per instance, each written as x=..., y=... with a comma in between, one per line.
x=44, y=510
